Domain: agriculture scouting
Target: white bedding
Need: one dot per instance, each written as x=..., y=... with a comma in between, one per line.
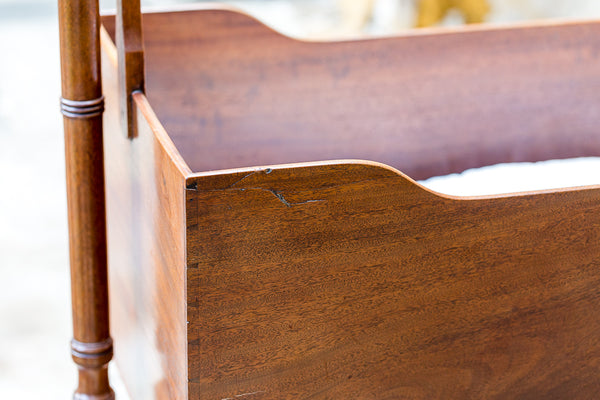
x=519, y=177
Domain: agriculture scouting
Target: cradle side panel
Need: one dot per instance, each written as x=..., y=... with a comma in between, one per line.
x=352, y=282
x=145, y=219
x=233, y=93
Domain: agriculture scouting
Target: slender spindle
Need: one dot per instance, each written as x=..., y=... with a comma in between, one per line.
x=82, y=105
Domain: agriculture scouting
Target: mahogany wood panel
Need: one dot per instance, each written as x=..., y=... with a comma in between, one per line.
x=146, y=234
x=233, y=93
x=347, y=279
x=350, y=281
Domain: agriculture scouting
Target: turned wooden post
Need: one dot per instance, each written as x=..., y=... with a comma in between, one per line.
x=82, y=105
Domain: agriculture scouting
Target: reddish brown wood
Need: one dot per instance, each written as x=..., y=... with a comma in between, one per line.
x=146, y=238
x=233, y=93
x=82, y=106
x=349, y=281
x=130, y=48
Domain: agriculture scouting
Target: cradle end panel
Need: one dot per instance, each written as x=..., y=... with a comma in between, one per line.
x=351, y=281
x=146, y=233
x=234, y=93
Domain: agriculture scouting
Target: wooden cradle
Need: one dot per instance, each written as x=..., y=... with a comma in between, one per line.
x=327, y=279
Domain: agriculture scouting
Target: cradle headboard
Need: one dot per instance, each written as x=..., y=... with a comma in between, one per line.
x=234, y=93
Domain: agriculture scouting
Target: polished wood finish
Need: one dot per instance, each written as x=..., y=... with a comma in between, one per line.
x=82, y=105
x=233, y=93
x=130, y=48
x=146, y=237
x=350, y=281
x=346, y=279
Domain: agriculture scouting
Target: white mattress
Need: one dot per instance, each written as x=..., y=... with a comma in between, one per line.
x=519, y=177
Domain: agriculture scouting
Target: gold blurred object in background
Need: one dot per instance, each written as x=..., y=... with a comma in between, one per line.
x=356, y=15
x=432, y=12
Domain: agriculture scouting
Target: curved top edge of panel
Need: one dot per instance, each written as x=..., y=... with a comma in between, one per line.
x=427, y=31
x=340, y=172
x=329, y=169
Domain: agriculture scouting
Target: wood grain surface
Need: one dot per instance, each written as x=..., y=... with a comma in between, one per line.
x=232, y=93
x=346, y=279
x=82, y=106
x=351, y=281
x=146, y=241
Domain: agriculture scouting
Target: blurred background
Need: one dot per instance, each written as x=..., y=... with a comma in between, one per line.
x=35, y=321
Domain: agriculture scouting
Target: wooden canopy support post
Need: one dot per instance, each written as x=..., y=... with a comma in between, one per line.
x=82, y=105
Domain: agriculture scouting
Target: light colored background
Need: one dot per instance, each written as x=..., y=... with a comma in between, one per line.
x=34, y=279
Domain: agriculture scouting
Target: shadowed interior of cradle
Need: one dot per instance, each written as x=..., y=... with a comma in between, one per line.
x=233, y=93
